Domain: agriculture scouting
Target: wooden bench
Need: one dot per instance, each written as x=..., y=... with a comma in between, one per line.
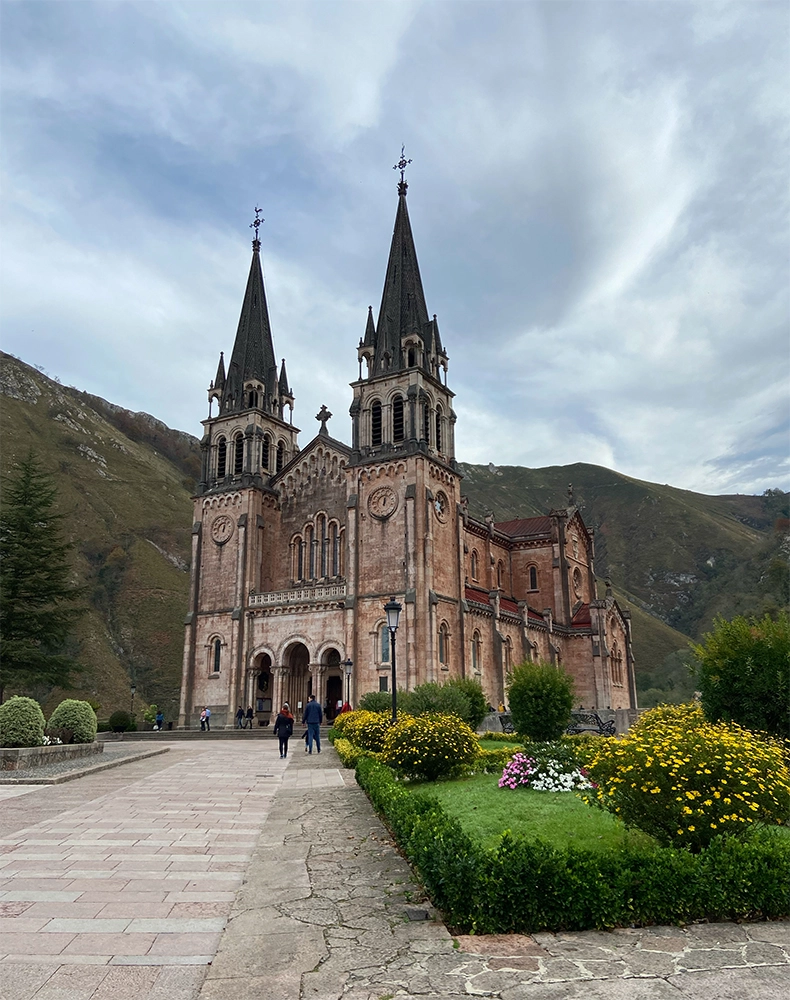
x=590, y=722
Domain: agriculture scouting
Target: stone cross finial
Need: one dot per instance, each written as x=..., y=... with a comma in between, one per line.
x=323, y=415
x=401, y=165
x=256, y=224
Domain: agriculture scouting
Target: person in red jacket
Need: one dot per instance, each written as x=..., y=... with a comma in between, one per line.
x=283, y=728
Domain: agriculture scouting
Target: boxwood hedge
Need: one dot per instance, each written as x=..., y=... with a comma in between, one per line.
x=524, y=885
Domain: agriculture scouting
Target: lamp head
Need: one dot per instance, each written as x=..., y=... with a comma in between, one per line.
x=392, y=610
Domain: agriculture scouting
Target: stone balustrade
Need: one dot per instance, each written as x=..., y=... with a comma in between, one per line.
x=299, y=595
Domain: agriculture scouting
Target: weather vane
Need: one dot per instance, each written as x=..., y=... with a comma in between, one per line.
x=256, y=225
x=402, y=164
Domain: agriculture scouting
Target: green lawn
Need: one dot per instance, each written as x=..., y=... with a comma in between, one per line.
x=485, y=811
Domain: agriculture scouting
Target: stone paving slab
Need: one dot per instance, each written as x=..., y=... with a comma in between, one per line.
x=222, y=872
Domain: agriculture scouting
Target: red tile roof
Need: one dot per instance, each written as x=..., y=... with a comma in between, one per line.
x=506, y=604
x=525, y=526
x=582, y=617
x=476, y=595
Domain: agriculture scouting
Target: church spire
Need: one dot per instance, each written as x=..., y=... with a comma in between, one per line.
x=404, y=328
x=253, y=358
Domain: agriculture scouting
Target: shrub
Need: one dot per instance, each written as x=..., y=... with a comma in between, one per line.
x=435, y=698
x=78, y=716
x=744, y=673
x=365, y=729
x=430, y=746
x=526, y=886
x=122, y=722
x=491, y=761
x=376, y=701
x=686, y=716
x=473, y=691
x=349, y=753
x=21, y=723
x=686, y=784
x=541, y=698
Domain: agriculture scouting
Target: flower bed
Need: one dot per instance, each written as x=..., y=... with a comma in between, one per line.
x=524, y=886
x=22, y=758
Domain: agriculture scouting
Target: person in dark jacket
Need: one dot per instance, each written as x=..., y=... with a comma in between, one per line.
x=240, y=718
x=284, y=727
x=312, y=717
x=249, y=717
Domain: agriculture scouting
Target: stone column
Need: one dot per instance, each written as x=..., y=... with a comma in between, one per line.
x=279, y=675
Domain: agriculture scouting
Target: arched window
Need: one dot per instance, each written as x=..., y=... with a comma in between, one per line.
x=253, y=398
x=426, y=423
x=384, y=633
x=238, y=454
x=476, y=652
x=444, y=644
x=375, y=424
x=309, y=541
x=533, y=577
x=334, y=541
x=499, y=574
x=322, y=542
x=265, y=451
x=298, y=558
x=411, y=357
x=341, y=555
x=217, y=654
x=438, y=428
x=222, y=457
x=280, y=456
x=397, y=419
x=474, y=564
x=507, y=651
x=577, y=583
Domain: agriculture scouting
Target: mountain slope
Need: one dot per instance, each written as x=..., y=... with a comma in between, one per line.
x=125, y=480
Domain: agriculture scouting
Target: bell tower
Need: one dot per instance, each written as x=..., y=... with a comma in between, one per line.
x=404, y=488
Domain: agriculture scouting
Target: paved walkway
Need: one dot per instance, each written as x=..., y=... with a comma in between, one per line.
x=219, y=872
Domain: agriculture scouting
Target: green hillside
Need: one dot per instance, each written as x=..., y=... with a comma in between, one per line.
x=675, y=558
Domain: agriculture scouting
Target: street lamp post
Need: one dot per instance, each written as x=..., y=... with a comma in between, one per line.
x=348, y=664
x=134, y=692
x=392, y=610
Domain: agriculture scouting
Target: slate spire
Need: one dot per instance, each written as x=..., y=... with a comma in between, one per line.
x=219, y=378
x=253, y=351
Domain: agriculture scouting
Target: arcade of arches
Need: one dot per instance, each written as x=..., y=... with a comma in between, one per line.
x=269, y=687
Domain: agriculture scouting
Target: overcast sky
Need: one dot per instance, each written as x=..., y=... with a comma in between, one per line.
x=599, y=198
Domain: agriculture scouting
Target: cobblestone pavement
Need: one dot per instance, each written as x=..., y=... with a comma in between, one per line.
x=222, y=871
x=113, y=755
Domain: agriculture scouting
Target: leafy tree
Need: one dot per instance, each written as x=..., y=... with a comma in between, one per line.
x=432, y=698
x=540, y=696
x=37, y=600
x=478, y=706
x=744, y=673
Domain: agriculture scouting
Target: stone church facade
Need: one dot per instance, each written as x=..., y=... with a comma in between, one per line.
x=296, y=551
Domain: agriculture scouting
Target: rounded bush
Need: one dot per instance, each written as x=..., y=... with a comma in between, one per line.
x=686, y=716
x=541, y=698
x=685, y=784
x=436, y=699
x=430, y=746
x=365, y=729
x=376, y=701
x=473, y=691
x=78, y=716
x=121, y=722
x=21, y=723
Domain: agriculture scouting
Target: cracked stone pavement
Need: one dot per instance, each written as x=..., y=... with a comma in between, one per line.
x=219, y=872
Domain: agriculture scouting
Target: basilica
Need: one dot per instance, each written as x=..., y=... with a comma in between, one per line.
x=296, y=550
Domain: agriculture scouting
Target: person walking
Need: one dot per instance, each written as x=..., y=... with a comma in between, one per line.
x=160, y=721
x=312, y=717
x=283, y=728
x=207, y=713
x=249, y=717
x=240, y=718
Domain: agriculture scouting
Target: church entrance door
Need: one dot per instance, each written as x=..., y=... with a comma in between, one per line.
x=297, y=660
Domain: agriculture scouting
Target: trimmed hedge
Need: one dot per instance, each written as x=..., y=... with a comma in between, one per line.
x=77, y=716
x=21, y=723
x=525, y=886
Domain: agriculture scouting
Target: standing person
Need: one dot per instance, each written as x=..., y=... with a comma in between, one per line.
x=203, y=720
x=240, y=718
x=160, y=720
x=249, y=717
x=283, y=728
x=207, y=712
x=312, y=717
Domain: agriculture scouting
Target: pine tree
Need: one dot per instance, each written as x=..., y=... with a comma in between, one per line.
x=37, y=599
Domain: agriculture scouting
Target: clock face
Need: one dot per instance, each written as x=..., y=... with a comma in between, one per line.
x=221, y=529
x=382, y=502
x=440, y=506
